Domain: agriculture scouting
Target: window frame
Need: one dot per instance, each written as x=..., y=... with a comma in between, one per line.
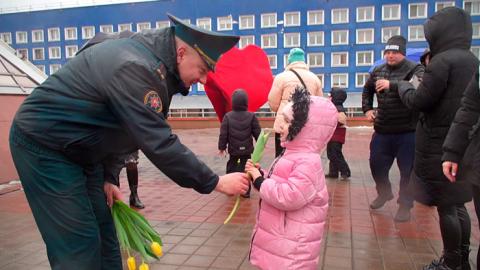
x=290, y=35
x=384, y=40
x=340, y=9
x=339, y=31
x=123, y=25
x=34, y=55
x=274, y=56
x=104, y=26
x=365, y=20
x=472, y=2
x=200, y=24
x=318, y=11
x=240, y=41
x=50, y=49
x=372, y=58
x=394, y=18
x=66, y=31
x=7, y=40
x=229, y=23
x=143, y=26
x=162, y=24
x=309, y=44
x=42, y=39
x=448, y=3
x=425, y=4
x=421, y=31
x=18, y=53
x=357, y=85
x=332, y=59
x=18, y=34
x=262, y=23
x=85, y=28
x=295, y=13
x=51, y=66
x=49, y=34
x=339, y=74
x=358, y=30
x=322, y=57
x=67, y=56
x=269, y=35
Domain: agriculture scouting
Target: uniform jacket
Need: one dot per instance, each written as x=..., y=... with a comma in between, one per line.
x=284, y=84
x=294, y=198
x=112, y=99
x=392, y=115
x=239, y=127
x=449, y=34
x=462, y=144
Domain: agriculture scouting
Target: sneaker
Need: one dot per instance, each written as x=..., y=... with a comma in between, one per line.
x=329, y=175
x=345, y=177
x=380, y=201
x=438, y=265
x=403, y=214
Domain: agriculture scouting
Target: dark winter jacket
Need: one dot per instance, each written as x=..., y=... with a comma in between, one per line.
x=338, y=97
x=110, y=99
x=462, y=144
x=392, y=115
x=449, y=34
x=239, y=127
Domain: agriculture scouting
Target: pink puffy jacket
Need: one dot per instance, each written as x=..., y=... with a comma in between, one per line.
x=294, y=199
x=284, y=84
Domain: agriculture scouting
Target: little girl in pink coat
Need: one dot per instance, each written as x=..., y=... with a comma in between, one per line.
x=293, y=195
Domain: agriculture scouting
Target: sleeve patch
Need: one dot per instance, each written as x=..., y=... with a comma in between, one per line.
x=153, y=101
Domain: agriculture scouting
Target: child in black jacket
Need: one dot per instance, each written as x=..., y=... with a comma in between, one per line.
x=238, y=129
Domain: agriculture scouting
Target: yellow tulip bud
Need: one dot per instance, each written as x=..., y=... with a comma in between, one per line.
x=156, y=249
x=143, y=266
x=131, y=263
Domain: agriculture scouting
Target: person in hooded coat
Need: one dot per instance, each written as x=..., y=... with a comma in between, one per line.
x=239, y=128
x=437, y=97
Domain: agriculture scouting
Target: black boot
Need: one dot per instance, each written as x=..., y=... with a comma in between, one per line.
x=465, y=262
x=132, y=176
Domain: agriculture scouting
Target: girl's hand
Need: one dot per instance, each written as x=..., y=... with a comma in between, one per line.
x=252, y=170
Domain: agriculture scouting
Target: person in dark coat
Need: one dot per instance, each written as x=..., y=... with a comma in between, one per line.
x=461, y=149
x=338, y=165
x=239, y=128
x=394, y=125
x=437, y=97
x=110, y=99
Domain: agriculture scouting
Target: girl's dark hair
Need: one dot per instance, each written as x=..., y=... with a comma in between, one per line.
x=301, y=105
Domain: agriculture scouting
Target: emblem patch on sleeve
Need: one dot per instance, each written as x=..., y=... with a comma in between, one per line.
x=153, y=101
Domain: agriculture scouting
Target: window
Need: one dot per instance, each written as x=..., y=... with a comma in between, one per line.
x=315, y=17
x=476, y=30
x=54, y=53
x=417, y=11
x=339, y=15
x=388, y=32
x=71, y=50
x=285, y=60
x=476, y=51
x=224, y=23
x=106, y=28
x=291, y=40
x=41, y=68
x=88, y=32
x=415, y=33
x=70, y=33
x=143, y=25
x=291, y=19
x=21, y=37
x=339, y=80
x=54, y=68
x=365, y=14
x=38, y=54
x=6, y=37
x=442, y=5
x=200, y=87
x=187, y=21
x=246, y=22
x=245, y=41
x=269, y=41
x=315, y=59
x=53, y=34
x=163, y=24
x=269, y=20
x=124, y=27
x=364, y=58
x=339, y=59
x=22, y=54
x=205, y=23
x=37, y=36
x=315, y=38
x=360, y=79
x=391, y=12
x=340, y=37
x=365, y=36
x=320, y=77
x=472, y=7
x=272, y=60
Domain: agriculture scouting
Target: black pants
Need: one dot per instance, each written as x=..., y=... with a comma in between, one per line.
x=476, y=202
x=337, y=160
x=455, y=229
x=278, y=146
x=237, y=164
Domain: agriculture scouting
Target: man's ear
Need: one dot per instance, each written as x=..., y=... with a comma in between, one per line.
x=181, y=51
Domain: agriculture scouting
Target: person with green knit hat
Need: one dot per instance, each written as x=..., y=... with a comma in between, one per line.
x=296, y=74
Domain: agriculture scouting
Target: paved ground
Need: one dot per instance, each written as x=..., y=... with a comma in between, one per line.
x=191, y=224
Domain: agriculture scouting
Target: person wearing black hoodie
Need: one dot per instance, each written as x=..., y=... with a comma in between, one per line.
x=239, y=128
x=438, y=97
x=338, y=164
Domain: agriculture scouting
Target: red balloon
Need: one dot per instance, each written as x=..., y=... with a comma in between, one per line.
x=248, y=69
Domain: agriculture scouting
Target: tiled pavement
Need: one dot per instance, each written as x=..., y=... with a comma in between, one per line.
x=191, y=224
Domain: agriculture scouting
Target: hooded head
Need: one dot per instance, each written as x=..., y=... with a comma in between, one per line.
x=448, y=28
x=338, y=96
x=239, y=100
x=296, y=55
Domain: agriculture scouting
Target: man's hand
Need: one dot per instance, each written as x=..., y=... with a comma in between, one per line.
x=233, y=183
x=112, y=193
x=370, y=115
x=381, y=85
x=450, y=170
x=222, y=153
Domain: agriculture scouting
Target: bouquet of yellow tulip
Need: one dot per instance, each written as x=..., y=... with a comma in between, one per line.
x=256, y=157
x=135, y=234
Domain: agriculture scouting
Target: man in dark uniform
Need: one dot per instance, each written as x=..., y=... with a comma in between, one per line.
x=394, y=125
x=111, y=99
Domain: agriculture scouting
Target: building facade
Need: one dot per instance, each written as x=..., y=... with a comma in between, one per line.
x=342, y=39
